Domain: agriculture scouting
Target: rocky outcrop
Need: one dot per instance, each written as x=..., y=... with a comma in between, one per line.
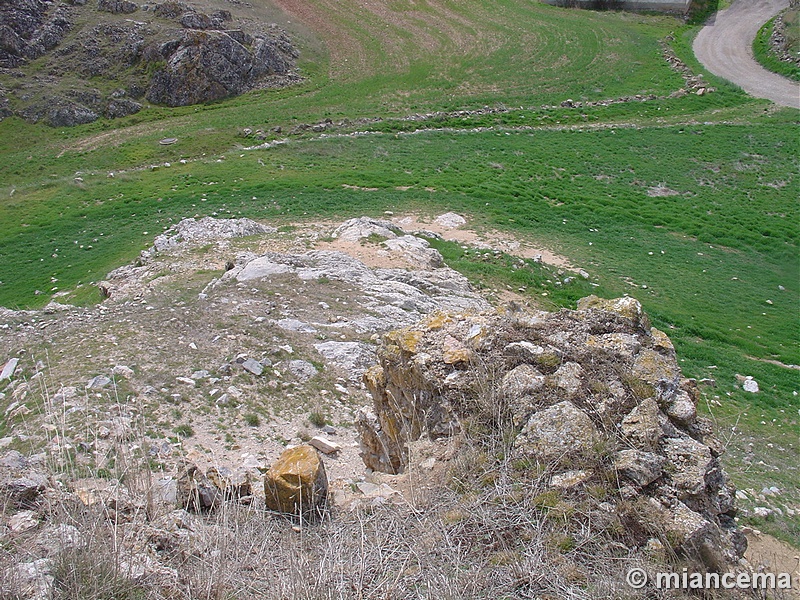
x=596, y=388
x=211, y=65
x=30, y=28
x=170, y=53
x=296, y=484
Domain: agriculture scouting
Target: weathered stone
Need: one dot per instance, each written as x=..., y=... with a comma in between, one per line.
x=208, y=229
x=557, y=433
x=98, y=382
x=195, y=491
x=682, y=409
x=33, y=580
x=355, y=230
x=23, y=521
x=570, y=479
x=324, y=445
x=450, y=220
x=520, y=381
x=232, y=484
x=454, y=352
x=643, y=468
x=525, y=350
x=641, y=426
x=416, y=250
x=750, y=385
x=22, y=491
x=352, y=357
x=661, y=341
x=657, y=370
x=622, y=345
x=627, y=307
x=688, y=463
x=9, y=368
x=569, y=377
x=252, y=366
x=692, y=535
x=296, y=483
x=302, y=370
x=117, y=7
x=211, y=65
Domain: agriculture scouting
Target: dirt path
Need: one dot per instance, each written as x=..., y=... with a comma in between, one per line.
x=725, y=47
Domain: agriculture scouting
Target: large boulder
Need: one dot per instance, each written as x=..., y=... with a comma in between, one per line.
x=296, y=484
x=211, y=65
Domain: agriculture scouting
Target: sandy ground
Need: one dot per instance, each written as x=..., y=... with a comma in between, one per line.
x=725, y=47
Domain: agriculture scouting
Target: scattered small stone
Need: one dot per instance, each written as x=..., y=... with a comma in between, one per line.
x=98, y=382
x=122, y=371
x=8, y=369
x=324, y=445
x=750, y=385
x=186, y=381
x=252, y=366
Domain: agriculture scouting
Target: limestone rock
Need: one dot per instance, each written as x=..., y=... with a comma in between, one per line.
x=641, y=426
x=450, y=220
x=355, y=230
x=9, y=368
x=557, y=433
x=195, y=492
x=207, y=229
x=628, y=308
x=324, y=445
x=688, y=462
x=682, y=409
x=416, y=250
x=117, y=7
x=642, y=468
x=521, y=381
x=296, y=484
x=352, y=357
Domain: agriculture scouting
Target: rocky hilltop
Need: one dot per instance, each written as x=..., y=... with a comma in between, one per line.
x=249, y=402
x=72, y=63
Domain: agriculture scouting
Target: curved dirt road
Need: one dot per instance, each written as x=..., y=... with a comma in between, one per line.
x=725, y=47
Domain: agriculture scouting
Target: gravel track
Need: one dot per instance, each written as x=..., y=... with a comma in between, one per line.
x=725, y=47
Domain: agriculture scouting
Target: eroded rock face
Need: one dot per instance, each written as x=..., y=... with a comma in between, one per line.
x=597, y=389
x=170, y=53
x=211, y=65
x=296, y=484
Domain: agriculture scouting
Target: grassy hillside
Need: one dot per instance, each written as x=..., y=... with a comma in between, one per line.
x=688, y=203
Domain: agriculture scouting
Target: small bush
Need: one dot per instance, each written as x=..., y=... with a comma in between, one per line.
x=317, y=419
x=185, y=430
x=252, y=419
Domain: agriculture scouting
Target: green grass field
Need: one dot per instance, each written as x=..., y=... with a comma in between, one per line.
x=689, y=204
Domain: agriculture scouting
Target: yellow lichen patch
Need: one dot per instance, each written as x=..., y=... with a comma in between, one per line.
x=375, y=378
x=661, y=340
x=454, y=352
x=406, y=339
x=627, y=307
x=436, y=320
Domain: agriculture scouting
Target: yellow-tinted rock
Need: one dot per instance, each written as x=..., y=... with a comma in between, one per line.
x=436, y=320
x=405, y=339
x=626, y=306
x=454, y=352
x=296, y=483
x=661, y=340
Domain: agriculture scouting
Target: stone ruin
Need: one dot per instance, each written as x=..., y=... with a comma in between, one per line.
x=593, y=394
